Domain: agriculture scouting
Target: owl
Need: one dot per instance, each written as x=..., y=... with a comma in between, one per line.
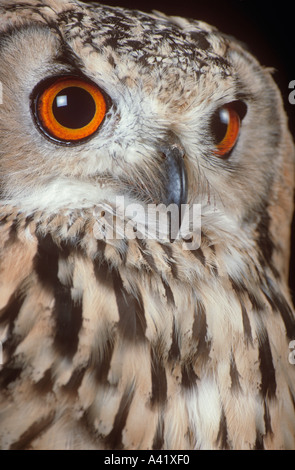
x=146, y=196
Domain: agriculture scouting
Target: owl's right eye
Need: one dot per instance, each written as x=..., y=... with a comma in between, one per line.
x=69, y=109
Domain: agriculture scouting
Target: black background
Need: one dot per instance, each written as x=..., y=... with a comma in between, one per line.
x=268, y=29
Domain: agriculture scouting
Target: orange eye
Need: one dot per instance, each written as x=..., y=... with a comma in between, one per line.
x=225, y=127
x=70, y=109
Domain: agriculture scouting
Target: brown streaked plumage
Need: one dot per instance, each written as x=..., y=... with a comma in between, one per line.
x=131, y=342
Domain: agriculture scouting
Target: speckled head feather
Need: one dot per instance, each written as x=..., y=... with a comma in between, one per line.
x=131, y=342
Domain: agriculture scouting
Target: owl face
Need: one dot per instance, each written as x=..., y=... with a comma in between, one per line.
x=157, y=110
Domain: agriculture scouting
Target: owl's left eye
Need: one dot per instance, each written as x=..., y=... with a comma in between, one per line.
x=225, y=127
x=69, y=109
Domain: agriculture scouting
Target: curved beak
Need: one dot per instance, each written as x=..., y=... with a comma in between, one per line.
x=175, y=183
x=174, y=175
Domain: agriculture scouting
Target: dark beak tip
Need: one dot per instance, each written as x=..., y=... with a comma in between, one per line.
x=176, y=181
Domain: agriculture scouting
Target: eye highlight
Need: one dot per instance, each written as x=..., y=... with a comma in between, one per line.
x=225, y=127
x=69, y=109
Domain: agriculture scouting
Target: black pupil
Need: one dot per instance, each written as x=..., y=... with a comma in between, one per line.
x=73, y=107
x=219, y=125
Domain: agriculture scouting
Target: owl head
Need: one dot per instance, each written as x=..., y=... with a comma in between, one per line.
x=101, y=102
